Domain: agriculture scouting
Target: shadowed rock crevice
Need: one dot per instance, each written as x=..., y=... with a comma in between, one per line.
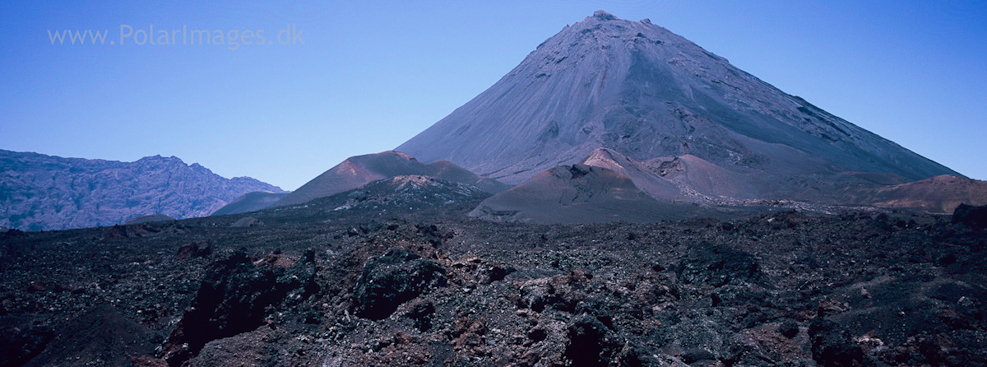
x=235, y=297
x=20, y=341
x=591, y=343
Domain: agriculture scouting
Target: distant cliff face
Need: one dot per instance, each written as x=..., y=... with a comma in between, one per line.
x=41, y=192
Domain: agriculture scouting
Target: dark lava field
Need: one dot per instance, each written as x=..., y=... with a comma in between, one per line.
x=402, y=283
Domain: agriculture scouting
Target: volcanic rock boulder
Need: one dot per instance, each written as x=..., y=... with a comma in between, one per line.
x=719, y=265
x=394, y=278
x=560, y=292
x=973, y=216
x=788, y=328
x=193, y=250
x=235, y=297
x=538, y=293
x=481, y=270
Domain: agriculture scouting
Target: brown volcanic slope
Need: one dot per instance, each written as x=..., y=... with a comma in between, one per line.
x=646, y=93
x=688, y=186
x=582, y=194
x=690, y=178
x=687, y=177
x=645, y=179
x=938, y=195
x=360, y=170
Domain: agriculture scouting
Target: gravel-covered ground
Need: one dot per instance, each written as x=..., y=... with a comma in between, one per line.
x=399, y=282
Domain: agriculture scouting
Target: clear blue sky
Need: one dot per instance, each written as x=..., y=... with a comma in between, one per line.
x=371, y=75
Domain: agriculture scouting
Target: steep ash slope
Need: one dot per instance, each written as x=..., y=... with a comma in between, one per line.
x=644, y=178
x=42, y=192
x=645, y=92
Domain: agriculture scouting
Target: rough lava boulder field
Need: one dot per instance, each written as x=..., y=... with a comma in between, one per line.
x=314, y=286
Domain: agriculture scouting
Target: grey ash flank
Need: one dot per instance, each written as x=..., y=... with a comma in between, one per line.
x=641, y=91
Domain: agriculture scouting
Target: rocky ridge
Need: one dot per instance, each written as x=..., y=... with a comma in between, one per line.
x=42, y=192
